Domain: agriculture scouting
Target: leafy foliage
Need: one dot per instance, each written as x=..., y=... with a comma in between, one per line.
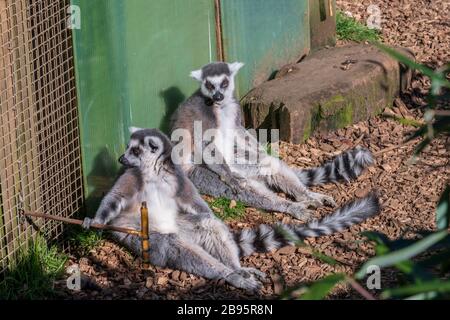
x=425, y=260
x=320, y=289
x=437, y=122
x=443, y=210
x=32, y=273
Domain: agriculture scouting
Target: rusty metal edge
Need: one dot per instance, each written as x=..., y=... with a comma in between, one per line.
x=219, y=38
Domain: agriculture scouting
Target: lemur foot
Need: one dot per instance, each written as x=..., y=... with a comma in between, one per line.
x=299, y=211
x=253, y=272
x=317, y=200
x=247, y=282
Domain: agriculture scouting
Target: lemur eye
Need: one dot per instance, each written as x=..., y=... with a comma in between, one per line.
x=209, y=85
x=153, y=146
x=136, y=151
x=224, y=84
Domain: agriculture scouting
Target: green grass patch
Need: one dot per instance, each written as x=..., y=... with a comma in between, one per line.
x=84, y=240
x=32, y=273
x=225, y=209
x=409, y=122
x=347, y=28
x=404, y=121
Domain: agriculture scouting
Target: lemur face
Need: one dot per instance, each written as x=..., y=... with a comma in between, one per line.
x=217, y=80
x=145, y=148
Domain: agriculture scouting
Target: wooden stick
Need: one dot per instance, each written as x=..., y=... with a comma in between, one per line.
x=145, y=237
x=355, y=285
x=80, y=222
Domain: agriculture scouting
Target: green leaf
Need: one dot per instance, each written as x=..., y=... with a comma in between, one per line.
x=435, y=259
x=383, y=244
x=435, y=76
x=377, y=237
x=443, y=210
x=423, y=296
x=398, y=256
x=430, y=286
x=321, y=288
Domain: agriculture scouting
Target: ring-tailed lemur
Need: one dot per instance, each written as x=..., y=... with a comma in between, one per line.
x=215, y=107
x=184, y=233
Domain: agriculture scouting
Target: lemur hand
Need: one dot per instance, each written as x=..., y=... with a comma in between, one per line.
x=87, y=222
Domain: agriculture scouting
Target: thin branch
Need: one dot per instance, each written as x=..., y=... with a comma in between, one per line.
x=445, y=113
x=80, y=222
x=355, y=285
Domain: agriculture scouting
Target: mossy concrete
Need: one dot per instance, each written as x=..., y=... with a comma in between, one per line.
x=319, y=95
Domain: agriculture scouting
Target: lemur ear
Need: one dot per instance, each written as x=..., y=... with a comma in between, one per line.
x=234, y=67
x=134, y=129
x=197, y=75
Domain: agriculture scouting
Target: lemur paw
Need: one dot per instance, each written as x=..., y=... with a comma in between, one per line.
x=247, y=282
x=87, y=222
x=329, y=201
x=254, y=272
x=299, y=211
x=318, y=200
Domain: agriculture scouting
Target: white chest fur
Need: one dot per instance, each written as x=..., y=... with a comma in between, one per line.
x=226, y=117
x=162, y=208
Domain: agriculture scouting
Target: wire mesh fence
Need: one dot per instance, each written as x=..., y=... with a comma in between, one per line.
x=40, y=162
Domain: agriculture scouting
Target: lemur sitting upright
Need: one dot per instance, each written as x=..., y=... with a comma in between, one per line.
x=232, y=175
x=184, y=233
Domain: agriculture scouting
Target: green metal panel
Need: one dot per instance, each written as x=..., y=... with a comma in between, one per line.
x=265, y=35
x=133, y=59
x=323, y=23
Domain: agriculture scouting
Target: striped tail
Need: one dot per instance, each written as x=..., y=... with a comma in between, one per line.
x=266, y=238
x=346, y=166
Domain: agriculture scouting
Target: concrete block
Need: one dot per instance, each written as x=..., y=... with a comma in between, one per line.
x=330, y=89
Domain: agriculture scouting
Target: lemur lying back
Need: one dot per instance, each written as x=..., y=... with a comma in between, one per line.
x=213, y=108
x=184, y=233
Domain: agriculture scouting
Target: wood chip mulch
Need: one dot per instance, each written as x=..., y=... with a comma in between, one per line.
x=408, y=191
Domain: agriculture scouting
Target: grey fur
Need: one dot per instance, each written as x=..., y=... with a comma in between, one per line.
x=346, y=166
x=266, y=238
x=200, y=243
x=215, y=69
x=244, y=181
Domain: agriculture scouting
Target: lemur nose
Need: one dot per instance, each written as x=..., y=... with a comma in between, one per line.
x=122, y=159
x=218, y=96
